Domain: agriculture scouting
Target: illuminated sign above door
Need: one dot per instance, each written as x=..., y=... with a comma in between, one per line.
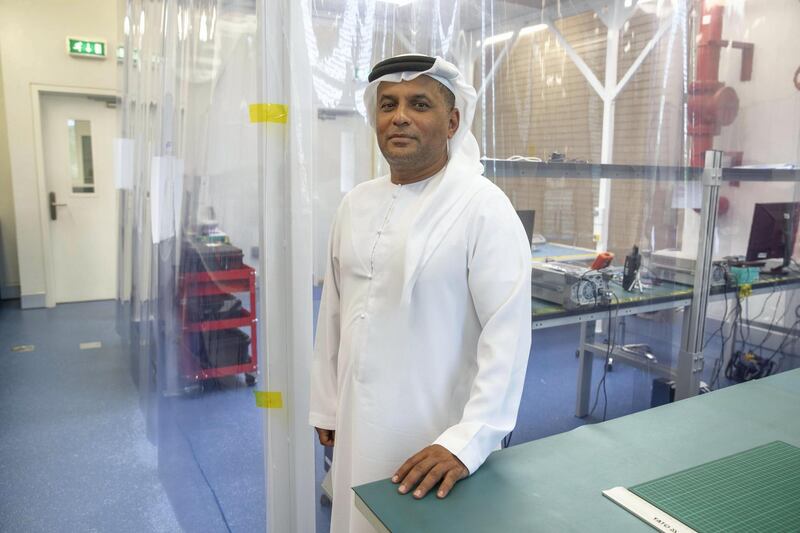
x=86, y=47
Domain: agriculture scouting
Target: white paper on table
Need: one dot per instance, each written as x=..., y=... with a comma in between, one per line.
x=645, y=511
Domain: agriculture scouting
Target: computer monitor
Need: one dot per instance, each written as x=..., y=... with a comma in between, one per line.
x=528, y=217
x=773, y=232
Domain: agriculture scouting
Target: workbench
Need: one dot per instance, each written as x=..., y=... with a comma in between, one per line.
x=666, y=295
x=555, y=483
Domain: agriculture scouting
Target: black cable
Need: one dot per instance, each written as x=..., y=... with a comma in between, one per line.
x=724, y=338
x=741, y=326
x=602, y=381
x=746, y=338
x=718, y=363
x=583, y=279
x=612, y=337
x=771, y=325
x=613, y=344
x=717, y=367
x=721, y=324
x=756, y=366
x=764, y=306
x=785, y=338
x=736, y=318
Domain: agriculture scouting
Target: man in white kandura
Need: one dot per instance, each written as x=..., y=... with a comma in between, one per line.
x=425, y=323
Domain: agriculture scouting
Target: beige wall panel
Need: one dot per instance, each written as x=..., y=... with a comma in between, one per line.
x=43, y=59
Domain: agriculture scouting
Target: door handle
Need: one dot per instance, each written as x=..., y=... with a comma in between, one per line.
x=53, y=205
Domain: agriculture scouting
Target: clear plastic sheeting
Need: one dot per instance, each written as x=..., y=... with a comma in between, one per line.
x=188, y=74
x=752, y=329
x=564, y=88
x=594, y=118
x=583, y=115
x=651, y=149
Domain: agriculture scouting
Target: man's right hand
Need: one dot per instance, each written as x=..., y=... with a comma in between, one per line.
x=326, y=436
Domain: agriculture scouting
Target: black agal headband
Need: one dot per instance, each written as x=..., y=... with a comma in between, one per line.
x=405, y=63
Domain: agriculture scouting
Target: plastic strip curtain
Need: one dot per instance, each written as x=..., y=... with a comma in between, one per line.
x=594, y=118
x=188, y=74
x=564, y=87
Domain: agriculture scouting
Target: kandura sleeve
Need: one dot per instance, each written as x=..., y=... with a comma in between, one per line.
x=322, y=413
x=499, y=278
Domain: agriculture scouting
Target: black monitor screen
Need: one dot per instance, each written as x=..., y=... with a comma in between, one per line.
x=527, y=217
x=772, y=224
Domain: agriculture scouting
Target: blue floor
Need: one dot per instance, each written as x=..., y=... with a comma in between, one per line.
x=548, y=399
x=75, y=454
x=211, y=458
x=73, y=451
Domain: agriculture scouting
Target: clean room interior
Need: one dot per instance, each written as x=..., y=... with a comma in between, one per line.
x=170, y=172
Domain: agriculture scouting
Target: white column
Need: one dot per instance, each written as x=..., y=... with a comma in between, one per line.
x=601, y=224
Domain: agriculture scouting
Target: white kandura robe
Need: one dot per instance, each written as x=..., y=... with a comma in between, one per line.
x=447, y=366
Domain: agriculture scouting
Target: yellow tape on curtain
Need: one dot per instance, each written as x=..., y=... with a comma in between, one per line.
x=269, y=400
x=278, y=113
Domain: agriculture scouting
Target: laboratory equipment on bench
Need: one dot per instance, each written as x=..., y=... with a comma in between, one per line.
x=603, y=260
x=678, y=267
x=569, y=285
x=630, y=273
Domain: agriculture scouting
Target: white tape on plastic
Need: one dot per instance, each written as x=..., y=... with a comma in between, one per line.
x=177, y=194
x=123, y=163
x=166, y=196
x=156, y=197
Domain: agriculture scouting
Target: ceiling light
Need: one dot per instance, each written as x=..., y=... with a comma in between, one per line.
x=527, y=30
x=203, y=33
x=496, y=38
x=500, y=37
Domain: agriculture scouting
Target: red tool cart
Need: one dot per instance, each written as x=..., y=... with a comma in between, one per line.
x=213, y=343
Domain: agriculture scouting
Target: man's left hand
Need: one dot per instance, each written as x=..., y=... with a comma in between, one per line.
x=431, y=465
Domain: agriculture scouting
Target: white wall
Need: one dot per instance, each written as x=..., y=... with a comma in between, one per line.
x=9, y=272
x=33, y=51
x=767, y=127
x=766, y=130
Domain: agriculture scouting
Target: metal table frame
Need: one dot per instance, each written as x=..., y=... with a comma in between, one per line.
x=690, y=356
x=588, y=348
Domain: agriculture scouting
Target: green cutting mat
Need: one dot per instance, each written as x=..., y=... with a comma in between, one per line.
x=754, y=490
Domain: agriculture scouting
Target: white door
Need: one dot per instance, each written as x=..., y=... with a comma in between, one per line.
x=77, y=134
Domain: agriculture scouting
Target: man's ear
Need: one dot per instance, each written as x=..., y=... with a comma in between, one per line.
x=454, y=121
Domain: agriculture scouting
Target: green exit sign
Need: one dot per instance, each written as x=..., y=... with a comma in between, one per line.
x=86, y=47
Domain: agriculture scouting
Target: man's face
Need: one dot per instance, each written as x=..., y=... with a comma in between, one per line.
x=414, y=122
